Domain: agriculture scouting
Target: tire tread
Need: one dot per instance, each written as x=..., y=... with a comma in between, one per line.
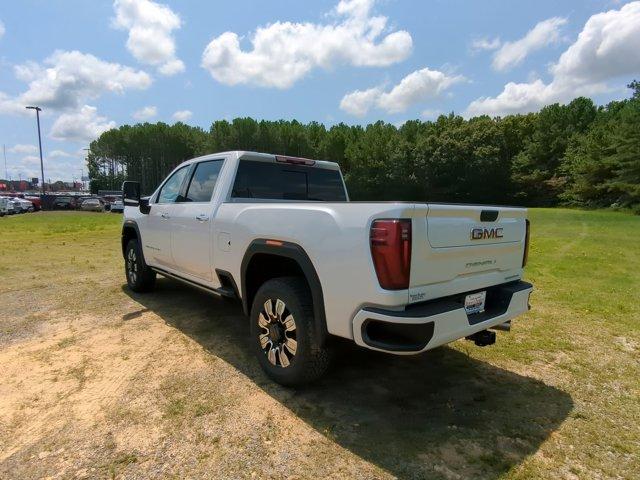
x=316, y=363
x=146, y=277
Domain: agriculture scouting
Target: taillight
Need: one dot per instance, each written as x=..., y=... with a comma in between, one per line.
x=391, y=251
x=525, y=256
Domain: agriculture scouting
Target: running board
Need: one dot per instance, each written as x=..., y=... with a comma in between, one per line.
x=223, y=291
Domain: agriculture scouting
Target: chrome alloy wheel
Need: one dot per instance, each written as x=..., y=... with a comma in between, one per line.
x=277, y=333
x=132, y=265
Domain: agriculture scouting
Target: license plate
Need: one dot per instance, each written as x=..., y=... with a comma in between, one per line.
x=474, y=303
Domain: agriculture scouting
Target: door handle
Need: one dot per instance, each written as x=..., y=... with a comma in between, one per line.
x=164, y=215
x=202, y=217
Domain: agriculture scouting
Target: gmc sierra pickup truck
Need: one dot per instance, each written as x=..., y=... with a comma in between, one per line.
x=280, y=235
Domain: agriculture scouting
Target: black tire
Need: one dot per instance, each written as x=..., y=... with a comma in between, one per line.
x=310, y=359
x=140, y=277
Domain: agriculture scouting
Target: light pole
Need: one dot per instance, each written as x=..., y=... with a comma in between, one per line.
x=38, y=110
x=87, y=160
x=6, y=172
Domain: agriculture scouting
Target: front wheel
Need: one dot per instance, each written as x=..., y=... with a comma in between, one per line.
x=140, y=277
x=283, y=333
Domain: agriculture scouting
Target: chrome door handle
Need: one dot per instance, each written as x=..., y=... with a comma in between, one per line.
x=202, y=217
x=164, y=215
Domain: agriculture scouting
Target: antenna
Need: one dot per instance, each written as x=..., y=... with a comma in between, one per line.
x=4, y=151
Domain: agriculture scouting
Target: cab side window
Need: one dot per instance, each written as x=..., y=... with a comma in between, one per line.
x=203, y=181
x=171, y=189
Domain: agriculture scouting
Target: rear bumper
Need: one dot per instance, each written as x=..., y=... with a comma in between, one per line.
x=428, y=325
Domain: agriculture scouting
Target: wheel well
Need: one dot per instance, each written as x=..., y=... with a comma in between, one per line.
x=263, y=267
x=127, y=234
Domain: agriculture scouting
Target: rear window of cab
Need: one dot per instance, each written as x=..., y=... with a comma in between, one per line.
x=275, y=181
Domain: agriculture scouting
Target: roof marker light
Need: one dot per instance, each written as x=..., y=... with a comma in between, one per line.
x=295, y=160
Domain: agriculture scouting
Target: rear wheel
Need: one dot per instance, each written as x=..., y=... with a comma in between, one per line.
x=283, y=332
x=140, y=277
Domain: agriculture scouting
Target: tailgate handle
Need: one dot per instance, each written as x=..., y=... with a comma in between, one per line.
x=488, y=215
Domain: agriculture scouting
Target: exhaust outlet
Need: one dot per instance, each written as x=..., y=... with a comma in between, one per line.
x=503, y=327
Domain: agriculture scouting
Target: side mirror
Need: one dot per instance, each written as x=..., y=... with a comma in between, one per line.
x=131, y=193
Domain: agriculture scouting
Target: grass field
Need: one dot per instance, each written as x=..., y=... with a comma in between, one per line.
x=98, y=382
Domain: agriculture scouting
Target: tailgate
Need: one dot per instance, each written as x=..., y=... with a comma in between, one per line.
x=458, y=248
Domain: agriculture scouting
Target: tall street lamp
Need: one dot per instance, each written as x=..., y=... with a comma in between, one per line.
x=38, y=110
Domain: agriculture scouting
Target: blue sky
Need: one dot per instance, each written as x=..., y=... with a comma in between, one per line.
x=93, y=65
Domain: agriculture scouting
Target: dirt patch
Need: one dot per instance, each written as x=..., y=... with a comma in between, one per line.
x=167, y=387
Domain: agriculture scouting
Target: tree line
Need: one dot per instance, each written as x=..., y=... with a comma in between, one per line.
x=577, y=154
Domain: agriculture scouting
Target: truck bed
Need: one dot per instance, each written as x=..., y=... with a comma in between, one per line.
x=444, y=258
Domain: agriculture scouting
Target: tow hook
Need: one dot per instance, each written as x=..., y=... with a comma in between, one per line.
x=483, y=338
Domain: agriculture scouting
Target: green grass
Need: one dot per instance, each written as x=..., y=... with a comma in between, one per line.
x=584, y=328
x=558, y=397
x=58, y=260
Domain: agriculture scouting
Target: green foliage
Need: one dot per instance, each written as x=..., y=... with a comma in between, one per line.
x=536, y=167
x=576, y=154
x=604, y=164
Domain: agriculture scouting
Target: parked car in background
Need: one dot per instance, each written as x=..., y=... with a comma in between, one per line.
x=92, y=205
x=105, y=203
x=109, y=199
x=63, y=203
x=13, y=206
x=36, y=201
x=117, y=206
x=25, y=205
x=4, y=206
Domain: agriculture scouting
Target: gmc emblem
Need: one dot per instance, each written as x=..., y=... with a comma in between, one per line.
x=482, y=233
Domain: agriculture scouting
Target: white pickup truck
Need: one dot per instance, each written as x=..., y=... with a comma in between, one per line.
x=280, y=235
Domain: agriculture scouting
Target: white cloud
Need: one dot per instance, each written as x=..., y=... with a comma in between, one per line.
x=55, y=169
x=485, y=43
x=284, y=52
x=58, y=164
x=145, y=113
x=84, y=125
x=22, y=148
x=12, y=106
x=606, y=47
x=543, y=34
x=66, y=80
x=413, y=89
x=31, y=160
x=182, y=115
x=359, y=102
x=605, y=50
x=2, y=29
x=150, y=27
x=59, y=154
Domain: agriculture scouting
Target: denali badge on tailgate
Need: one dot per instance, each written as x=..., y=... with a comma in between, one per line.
x=482, y=233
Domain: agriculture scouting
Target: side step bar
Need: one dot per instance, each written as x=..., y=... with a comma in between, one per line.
x=223, y=291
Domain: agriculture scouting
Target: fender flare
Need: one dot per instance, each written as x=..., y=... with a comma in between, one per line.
x=131, y=224
x=294, y=252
